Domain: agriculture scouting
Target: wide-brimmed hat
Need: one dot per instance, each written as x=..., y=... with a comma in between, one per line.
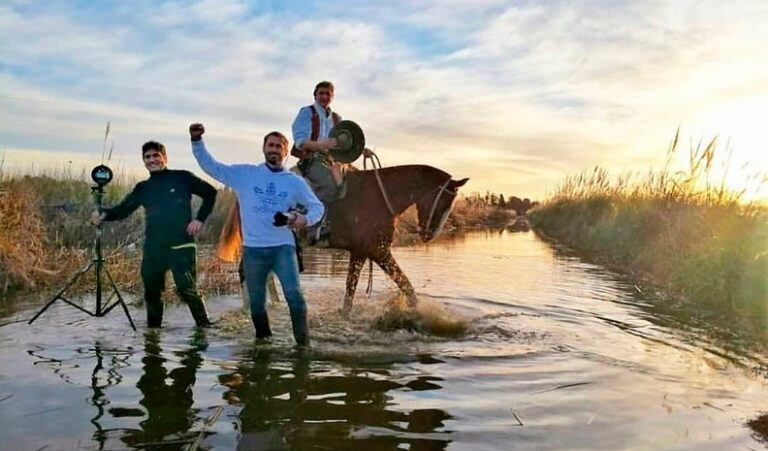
x=350, y=141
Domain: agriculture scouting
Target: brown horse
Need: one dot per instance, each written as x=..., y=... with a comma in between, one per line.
x=363, y=221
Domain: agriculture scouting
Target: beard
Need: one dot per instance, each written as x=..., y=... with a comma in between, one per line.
x=274, y=159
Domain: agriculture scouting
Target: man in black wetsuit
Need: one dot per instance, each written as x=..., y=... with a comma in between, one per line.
x=169, y=235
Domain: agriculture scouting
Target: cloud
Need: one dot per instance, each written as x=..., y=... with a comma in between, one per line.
x=515, y=95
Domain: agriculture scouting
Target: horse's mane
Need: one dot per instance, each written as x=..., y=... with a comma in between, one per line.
x=421, y=173
x=408, y=168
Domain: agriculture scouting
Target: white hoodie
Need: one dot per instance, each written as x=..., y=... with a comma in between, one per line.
x=261, y=193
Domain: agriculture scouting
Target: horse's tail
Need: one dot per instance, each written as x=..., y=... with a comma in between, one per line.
x=231, y=238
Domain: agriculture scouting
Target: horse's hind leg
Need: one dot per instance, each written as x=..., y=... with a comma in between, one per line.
x=390, y=266
x=353, y=276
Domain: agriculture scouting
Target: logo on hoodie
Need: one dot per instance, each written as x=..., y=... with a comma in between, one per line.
x=270, y=200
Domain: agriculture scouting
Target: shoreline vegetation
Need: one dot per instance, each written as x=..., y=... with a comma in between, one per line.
x=46, y=236
x=696, y=242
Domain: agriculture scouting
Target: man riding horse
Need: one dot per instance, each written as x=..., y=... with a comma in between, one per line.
x=312, y=142
x=364, y=206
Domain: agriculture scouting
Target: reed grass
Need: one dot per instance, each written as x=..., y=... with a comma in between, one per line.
x=680, y=231
x=46, y=235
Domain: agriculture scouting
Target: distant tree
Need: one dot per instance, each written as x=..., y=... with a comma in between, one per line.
x=515, y=203
x=526, y=205
x=501, y=202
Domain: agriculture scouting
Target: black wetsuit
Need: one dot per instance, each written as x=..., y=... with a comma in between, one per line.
x=167, y=199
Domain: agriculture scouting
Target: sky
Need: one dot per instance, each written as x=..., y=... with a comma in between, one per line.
x=514, y=95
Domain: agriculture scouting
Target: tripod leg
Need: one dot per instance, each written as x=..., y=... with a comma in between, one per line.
x=120, y=299
x=63, y=290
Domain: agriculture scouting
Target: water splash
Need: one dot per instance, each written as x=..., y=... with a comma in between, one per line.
x=429, y=317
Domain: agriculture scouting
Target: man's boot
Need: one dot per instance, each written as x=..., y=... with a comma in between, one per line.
x=261, y=324
x=300, y=328
x=197, y=308
x=154, y=309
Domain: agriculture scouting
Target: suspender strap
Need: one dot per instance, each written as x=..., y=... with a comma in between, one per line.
x=315, y=119
x=315, y=124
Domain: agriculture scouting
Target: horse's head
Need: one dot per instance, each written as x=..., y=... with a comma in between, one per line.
x=434, y=206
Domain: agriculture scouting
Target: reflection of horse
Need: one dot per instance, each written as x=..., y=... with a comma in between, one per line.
x=363, y=222
x=295, y=407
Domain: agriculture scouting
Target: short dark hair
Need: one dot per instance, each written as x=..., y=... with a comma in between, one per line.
x=323, y=84
x=152, y=145
x=282, y=137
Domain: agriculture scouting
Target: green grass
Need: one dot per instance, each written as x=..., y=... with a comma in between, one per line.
x=698, y=241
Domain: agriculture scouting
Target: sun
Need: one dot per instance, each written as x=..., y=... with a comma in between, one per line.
x=742, y=154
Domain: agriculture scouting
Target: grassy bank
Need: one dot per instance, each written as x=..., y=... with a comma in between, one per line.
x=696, y=240
x=45, y=234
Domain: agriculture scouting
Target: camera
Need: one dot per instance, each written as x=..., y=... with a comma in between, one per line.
x=283, y=219
x=101, y=175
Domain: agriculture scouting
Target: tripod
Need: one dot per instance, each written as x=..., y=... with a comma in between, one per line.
x=97, y=262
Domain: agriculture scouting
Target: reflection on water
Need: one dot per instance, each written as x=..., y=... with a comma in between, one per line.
x=293, y=404
x=556, y=353
x=166, y=395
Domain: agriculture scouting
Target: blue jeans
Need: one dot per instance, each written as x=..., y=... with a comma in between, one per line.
x=258, y=262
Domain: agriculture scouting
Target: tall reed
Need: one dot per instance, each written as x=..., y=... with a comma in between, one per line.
x=46, y=234
x=682, y=231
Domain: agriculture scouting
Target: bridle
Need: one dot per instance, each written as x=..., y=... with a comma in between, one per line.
x=376, y=164
x=442, y=189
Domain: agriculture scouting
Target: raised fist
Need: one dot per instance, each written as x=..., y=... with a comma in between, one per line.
x=196, y=131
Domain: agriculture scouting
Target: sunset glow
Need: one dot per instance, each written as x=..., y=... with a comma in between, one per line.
x=514, y=96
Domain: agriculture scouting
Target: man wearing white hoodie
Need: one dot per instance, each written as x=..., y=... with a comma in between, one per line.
x=265, y=191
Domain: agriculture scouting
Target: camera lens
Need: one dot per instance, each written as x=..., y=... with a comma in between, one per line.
x=281, y=219
x=101, y=175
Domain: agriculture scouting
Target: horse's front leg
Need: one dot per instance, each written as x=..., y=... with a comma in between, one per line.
x=353, y=276
x=390, y=266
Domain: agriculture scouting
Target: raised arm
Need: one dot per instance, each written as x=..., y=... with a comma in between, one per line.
x=216, y=169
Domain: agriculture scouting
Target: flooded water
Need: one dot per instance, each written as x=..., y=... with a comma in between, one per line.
x=553, y=353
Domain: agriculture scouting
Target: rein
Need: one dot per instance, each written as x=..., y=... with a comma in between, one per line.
x=376, y=165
